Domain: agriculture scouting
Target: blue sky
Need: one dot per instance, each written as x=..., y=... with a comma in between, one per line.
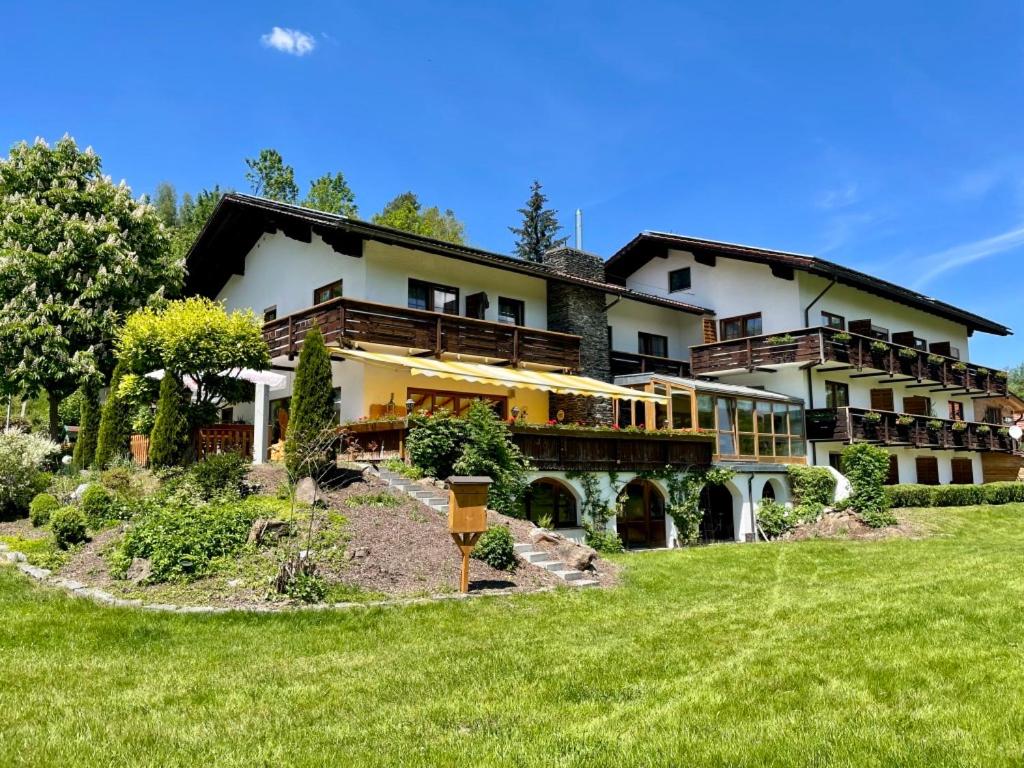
x=886, y=136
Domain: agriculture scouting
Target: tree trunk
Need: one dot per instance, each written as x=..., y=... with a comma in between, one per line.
x=53, y=399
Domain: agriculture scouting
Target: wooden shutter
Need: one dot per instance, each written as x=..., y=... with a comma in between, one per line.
x=710, y=332
x=893, y=477
x=882, y=400
x=476, y=303
x=917, y=406
x=927, y=470
x=963, y=471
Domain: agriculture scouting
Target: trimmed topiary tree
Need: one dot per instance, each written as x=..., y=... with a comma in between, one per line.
x=115, y=436
x=312, y=406
x=866, y=466
x=88, y=427
x=169, y=440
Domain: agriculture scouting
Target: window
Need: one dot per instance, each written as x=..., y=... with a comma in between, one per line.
x=270, y=313
x=963, y=471
x=756, y=427
x=433, y=298
x=830, y=320
x=956, y=410
x=653, y=344
x=927, y=470
x=993, y=415
x=837, y=394
x=457, y=403
x=549, y=498
x=682, y=415
x=917, y=406
x=326, y=293
x=679, y=280
x=227, y=415
x=741, y=327
x=706, y=411
x=337, y=404
x=511, y=311
x=661, y=409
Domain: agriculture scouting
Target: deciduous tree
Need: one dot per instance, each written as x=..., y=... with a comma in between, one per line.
x=404, y=212
x=331, y=194
x=268, y=176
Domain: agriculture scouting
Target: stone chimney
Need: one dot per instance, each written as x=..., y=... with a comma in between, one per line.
x=580, y=310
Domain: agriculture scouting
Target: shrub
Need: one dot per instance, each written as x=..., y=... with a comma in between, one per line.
x=775, y=518
x=218, y=474
x=88, y=426
x=169, y=440
x=811, y=484
x=435, y=442
x=67, y=525
x=957, y=495
x=1004, y=493
x=307, y=588
x=42, y=506
x=98, y=505
x=405, y=470
x=909, y=495
x=603, y=540
x=496, y=548
x=312, y=406
x=23, y=457
x=182, y=538
x=114, y=438
x=866, y=466
x=489, y=451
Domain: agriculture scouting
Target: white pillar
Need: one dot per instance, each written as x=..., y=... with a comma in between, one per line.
x=261, y=417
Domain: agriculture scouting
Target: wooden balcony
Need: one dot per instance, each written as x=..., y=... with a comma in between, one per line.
x=419, y=332
x=602, y=451
x=625, y=363
x=869, y=357
x=852, y=425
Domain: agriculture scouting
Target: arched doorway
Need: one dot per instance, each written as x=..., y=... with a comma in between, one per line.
x=717, y=523
x=641, y=519
x=547, y=500
x=768, y=492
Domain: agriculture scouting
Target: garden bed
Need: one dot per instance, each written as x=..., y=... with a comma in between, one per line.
x=846, y=525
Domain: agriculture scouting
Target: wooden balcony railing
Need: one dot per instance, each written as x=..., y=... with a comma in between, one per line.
x=597, y=451
x=355, y=320
x=625, y=363
x=828, y=345
x=851, y=425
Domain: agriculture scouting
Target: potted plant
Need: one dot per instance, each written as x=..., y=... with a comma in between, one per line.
x=1003, y=431
x=959, y=426
x=983, y=429
x=842, y=337
x=1002, y=375
x=908, y=352
x=775, y=341
x=879, y=347
x=903, y=424
x=871, y=421
x=959, y=366
x=934, y=425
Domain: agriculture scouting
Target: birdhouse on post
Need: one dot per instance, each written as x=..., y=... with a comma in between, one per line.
x=467, y=516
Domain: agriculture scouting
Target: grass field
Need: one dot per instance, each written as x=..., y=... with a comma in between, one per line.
x=821, y=653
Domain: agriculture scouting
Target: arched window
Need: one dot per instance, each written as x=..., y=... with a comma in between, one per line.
x=548, y=499
x=768, y=492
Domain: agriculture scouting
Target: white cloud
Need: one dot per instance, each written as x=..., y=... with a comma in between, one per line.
x=291, y=41
x=961, y=255
x=839, y=197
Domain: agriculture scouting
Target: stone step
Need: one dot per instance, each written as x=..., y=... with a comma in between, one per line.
x=584, y=583
x=536, y=556
x=569, y=575
x=522, y=549
x=551, y=565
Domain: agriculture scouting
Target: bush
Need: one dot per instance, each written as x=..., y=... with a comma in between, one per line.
x=114, y=439
x=489, y=451
x=98, y=505
x=496, y=548
x=811, y=484
x=866, y=466
x=957, y=495
x=775, y=518
x=435, y=442
x=1004, y=493
x=909, y=495
x=88, y=427
x=307, y=588
x=68, y=526
x=603, y=540
x=169, y=441
x=219, y=474
x=312, y=405
x=181, y=538
x=41, y=508
x=23, y=457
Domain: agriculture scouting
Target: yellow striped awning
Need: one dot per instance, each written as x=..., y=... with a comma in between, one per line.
x=481, y=373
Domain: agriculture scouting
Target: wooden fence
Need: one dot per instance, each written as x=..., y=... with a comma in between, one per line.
x=214, y=439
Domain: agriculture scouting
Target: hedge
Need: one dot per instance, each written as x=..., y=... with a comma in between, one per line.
x=910, y=495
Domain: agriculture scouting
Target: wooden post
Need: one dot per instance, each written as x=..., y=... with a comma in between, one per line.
x=467, y=517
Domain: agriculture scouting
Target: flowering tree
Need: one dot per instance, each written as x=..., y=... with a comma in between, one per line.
x=77, y=253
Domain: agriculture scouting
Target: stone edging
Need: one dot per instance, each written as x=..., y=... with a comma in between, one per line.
x=78, y=589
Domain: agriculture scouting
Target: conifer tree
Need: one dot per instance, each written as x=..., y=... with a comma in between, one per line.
x=115, y=428
x=169, y=440
x=540, y=225
x=85, y=444
x=312, y=405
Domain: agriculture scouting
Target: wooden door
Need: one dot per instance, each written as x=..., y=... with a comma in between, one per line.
x=476, y=303
x=927, y=470
x=641, y=521
x=963, y=471
x=882, y=400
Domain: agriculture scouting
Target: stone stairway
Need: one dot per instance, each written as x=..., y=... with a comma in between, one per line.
x=437, y=500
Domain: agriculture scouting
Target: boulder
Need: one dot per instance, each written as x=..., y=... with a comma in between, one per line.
x=307, y=491
x=579, y=557
x=77, y=493
x=264, y=528
x=538, y=535
x=139, y=570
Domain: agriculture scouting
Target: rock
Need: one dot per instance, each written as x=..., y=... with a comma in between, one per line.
x=537, y=535
x=77, y=493
x=307, y=491
x=362, y=552
x=265, y=528
x=579, y=557
x=139, y=570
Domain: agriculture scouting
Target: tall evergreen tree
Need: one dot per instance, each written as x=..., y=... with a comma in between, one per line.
x=169, y=440
x=165, y=201
x=88, y=424
x=312, y=406
x=115, y=424
x=270, y=177
x=540, y=225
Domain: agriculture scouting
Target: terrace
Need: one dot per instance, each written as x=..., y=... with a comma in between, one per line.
x=851, y=425
x=937, y=368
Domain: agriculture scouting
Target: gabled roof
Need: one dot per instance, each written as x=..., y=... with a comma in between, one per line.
x=648, y=245
x=239, y=221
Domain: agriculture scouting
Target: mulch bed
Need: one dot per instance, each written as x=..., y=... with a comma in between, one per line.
x=845, y=525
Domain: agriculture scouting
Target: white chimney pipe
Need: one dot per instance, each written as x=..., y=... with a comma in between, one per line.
x=579, y=230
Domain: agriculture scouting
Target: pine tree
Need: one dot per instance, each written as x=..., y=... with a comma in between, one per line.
x=85, y=444
x=312, y=406
x=540, y=225
x=115, y=425
x=169, y=440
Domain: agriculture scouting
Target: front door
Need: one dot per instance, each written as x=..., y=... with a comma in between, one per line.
x=717, y=523
x=641, y=521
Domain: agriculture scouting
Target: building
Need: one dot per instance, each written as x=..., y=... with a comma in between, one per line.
x=658, y=355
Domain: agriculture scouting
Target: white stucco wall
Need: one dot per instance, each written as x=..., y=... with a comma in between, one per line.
x=627, y=318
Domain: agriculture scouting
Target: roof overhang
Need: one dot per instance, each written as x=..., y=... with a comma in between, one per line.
x=649, y=245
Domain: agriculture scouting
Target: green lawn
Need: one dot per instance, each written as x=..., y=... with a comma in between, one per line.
x=901, y=652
